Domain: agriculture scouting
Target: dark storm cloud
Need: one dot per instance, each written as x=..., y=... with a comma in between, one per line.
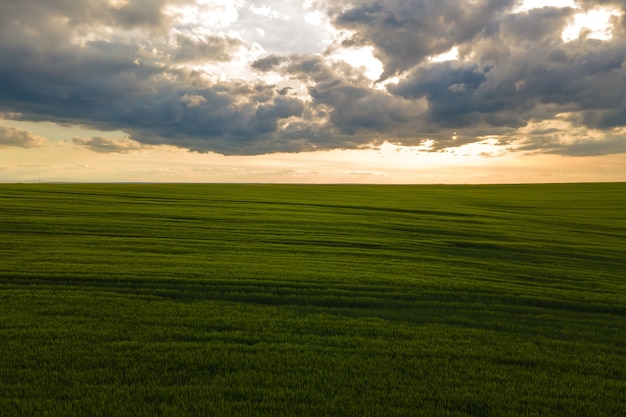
x=208, y=118
x=449, y=88
x=131, y=86
x=585, y=75
x=342, y=96
x=536, y=26
x=524, y=72
x=516, y=68
x=405, y=33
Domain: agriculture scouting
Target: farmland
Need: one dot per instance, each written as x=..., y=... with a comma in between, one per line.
x=320, y=300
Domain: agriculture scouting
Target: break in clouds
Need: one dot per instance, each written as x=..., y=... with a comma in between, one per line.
x=250, y=77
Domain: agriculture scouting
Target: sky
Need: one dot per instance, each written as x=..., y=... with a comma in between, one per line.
x=313, y=91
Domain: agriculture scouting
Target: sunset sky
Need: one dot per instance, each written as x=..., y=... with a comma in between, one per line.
x=376, y=91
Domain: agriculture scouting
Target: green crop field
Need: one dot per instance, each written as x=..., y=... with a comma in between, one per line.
x=311, y=300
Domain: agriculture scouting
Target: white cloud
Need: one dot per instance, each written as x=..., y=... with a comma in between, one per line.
x=451, y=55
x=206, y=15
x=594, y=24
x=267, y=11
x=192, y=100
x=360, y=58
x=526, y=5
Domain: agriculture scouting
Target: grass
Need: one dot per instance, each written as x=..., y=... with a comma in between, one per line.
x=313, y=300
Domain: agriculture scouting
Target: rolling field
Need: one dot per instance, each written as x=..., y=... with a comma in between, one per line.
x=311, y=300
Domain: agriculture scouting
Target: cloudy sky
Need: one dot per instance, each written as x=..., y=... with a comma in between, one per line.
x=397, y=91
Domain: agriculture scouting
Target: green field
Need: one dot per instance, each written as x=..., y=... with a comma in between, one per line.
x=280, y=300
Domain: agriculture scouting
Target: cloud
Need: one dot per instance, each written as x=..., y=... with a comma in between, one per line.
x=606, y=146
x=205, y=48
x=192, y=100
x=10, y=136
x=582, y=147
x=344, y=109
x=283, y=26
x=109, y=145
x=134, y=84
x=406, y=33
x=142, y=13
x=174, y=72
x=572, y=140
x=450, y=89
x=522, y=72
x=268, y=63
